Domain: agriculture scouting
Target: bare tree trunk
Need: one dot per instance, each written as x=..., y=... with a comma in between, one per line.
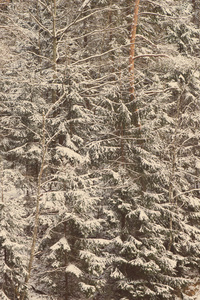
x=172, y=179
x=171, y=192
x=39, y=35
x=132, y=49
x=66, y=263
x=2, y=183
x=53, y=9
x=195, y=5
x=132, y=87
x=132, y=64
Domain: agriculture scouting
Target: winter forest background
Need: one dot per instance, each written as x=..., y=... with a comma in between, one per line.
x=99, y=149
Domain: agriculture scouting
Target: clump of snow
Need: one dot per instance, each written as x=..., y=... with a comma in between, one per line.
x=34, y=296
x=143, y=216
x=62, y=243
x=87, y=288
x=70, y=154
x=73, y=270
x=3, y=296
x=117, y=274
x=198, y=164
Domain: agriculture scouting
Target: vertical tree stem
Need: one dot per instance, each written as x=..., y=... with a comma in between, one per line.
x=173, y=166
x=132, y=49
x=136, y=121
x=1, y=174
x=53, y=9
x=54, y=34
x=66, y=262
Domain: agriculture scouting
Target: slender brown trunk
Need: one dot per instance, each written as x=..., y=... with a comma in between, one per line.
x=54, y=34
x=54, y=49
x=172, y=178
x=171, y=194
x=66, y=263
x=122, y=144
x=39, y=36
x=132, y=49
x=1, y=174
x=110, y=22
x=136, y=121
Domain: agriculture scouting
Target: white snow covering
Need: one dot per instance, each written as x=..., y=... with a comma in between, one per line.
x=73, y=270
x=171, y=263
x=33, y=296
x=117, y=274
x=87, y=287
x=70, y=144
x=99, y=242
x=118, y=241
x=3, y=296
x=186, y=297
x=83, y=200
x=71, y=154
x=142, y=216
x=34, y=150
x=197, y=74
x=116, y=175
x=97, y=263
x=48, y=199
x=85, y=3
x=62, y=243
x=137, y=262
x=198, y=164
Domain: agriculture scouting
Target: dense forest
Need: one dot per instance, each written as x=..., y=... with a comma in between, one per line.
x=99, y=149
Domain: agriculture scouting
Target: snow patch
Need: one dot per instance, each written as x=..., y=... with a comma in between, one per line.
x=142, y=216
x=62, y=243
x=73, y=270
x=71, y=154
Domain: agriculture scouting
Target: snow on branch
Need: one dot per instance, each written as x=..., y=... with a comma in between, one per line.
x=73, y=270
x=62, y=243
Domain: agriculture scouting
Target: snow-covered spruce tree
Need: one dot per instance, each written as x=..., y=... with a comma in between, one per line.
x=150, y=204
x=13, y=243
x=105, y=113
x=72, y=248
x=74, y=58
x=23, y=100
x=59, y=75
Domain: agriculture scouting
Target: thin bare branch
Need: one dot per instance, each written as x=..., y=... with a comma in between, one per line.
x=45, y=6
x=186, y=192
x=100, y=54
x=40, y=56
x=159, y=15
x=40, y=24
x=151, y=55
x=59, y=101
